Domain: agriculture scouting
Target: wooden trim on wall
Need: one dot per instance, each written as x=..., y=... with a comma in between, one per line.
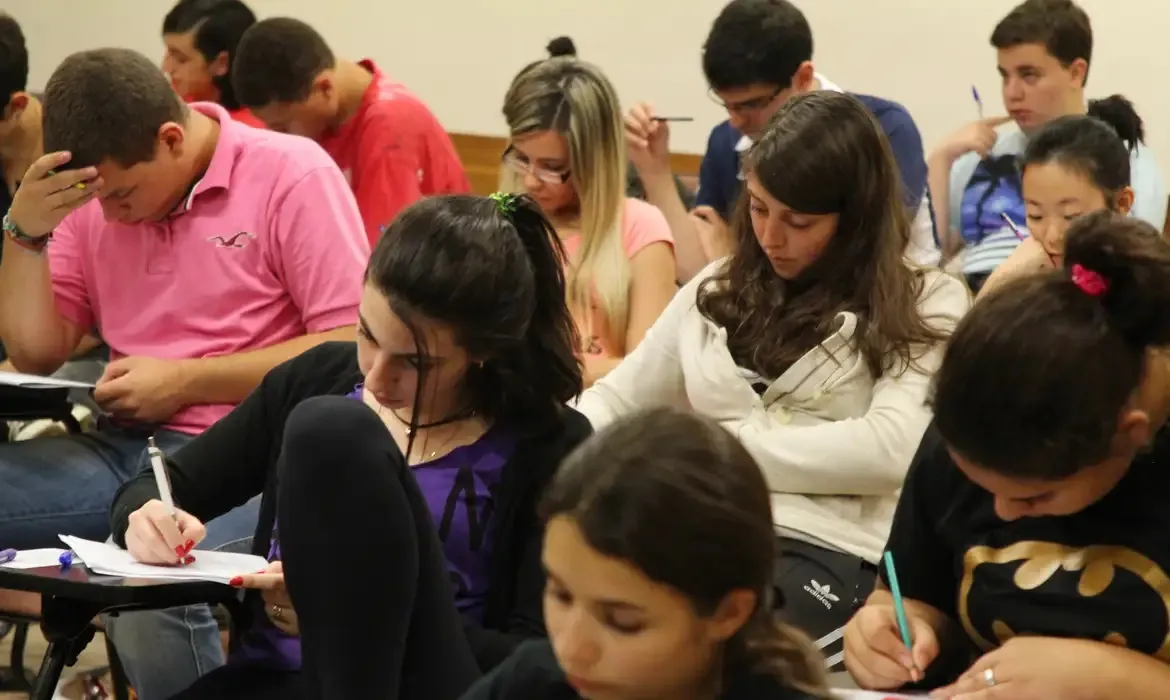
x=481, y=159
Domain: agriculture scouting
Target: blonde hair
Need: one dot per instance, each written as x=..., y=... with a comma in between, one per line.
x=576, y=100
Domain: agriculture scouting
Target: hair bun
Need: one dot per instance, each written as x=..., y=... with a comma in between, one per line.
x=561, y=46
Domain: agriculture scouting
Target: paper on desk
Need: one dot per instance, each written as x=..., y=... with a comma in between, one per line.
x=32, y=381
x=111, y=560
x=35, y=559
x=846, y=694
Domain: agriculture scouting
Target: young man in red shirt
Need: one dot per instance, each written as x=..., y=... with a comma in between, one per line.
x=388, y=144
x=201, y=36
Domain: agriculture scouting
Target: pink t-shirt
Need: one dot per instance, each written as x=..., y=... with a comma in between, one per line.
x=642, y=224
x=268, y=247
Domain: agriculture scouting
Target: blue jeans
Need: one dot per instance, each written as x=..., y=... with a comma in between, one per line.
x=63, y=485
x=164, y=651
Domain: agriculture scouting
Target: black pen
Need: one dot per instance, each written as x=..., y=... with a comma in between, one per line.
x=672, y=119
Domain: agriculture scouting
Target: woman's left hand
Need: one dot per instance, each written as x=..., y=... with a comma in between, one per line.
x=1034, y=668
x=277, y=605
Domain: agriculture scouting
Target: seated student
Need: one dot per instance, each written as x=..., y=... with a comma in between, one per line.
x=1032, y=524
x=391, y=148
x=1043, y=48
x=1072, y=166
x=434, y=440
x=659, y=550
x=813, y=343
x=21, y=144
x=194, y=315
x=758, y=55
x=567, y=152
x=201, y=36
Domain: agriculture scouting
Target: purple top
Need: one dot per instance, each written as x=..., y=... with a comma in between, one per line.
x=460, y=491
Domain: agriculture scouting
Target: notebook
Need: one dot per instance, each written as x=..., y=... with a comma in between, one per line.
x=111, y=560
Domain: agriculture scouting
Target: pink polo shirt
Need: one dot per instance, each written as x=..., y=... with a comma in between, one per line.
x=268, y=247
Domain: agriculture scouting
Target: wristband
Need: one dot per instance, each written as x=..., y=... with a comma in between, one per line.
x=35, y=244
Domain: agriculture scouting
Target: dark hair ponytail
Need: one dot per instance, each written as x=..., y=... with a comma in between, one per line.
x=1097, y=144
x=1119, y=113
x=681, y=499
x=493, y=272
x=561, y=46
x=1038, y=371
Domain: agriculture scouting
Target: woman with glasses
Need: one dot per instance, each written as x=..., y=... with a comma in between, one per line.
x=568, y=152
x=1072, y=166
x=814, y=343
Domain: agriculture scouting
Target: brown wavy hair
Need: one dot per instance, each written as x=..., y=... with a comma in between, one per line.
x=680, y=498
x=824, y=153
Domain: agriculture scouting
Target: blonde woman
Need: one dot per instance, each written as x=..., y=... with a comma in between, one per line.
x=568, y=152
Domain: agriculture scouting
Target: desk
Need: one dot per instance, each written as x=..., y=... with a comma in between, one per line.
x=71, y=599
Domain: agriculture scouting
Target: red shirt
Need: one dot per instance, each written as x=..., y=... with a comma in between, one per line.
x=244, y=116
x=394, y=152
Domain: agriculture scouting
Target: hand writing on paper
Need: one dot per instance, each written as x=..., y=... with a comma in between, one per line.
x=1036, y=668
x=714, y=236
x=277, y=605
x=154, y=537
x=875, y=655
x=144, y=389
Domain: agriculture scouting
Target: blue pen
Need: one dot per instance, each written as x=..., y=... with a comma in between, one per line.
x=899, y=608
x=978, y=102
x=7, y=555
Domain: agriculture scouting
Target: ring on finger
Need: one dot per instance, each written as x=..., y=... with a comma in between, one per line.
x=278, y=613
x=989, y=677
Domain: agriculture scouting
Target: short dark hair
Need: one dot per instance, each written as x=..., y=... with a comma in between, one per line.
x=756, y=42
x=498, y=281
x=277, y=61
x=13, y=60
x=218, y=27
x=1061, y=26
x=1097, y=144
x=1037, y=373
x=678, y=497
x=108, y=104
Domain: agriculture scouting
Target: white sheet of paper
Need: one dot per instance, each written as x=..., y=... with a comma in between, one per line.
x=111, y=560
x=847, y=694
x=35, y=558
x=32, y=381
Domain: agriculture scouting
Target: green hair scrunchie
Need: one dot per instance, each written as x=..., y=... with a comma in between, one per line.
x=505, y=202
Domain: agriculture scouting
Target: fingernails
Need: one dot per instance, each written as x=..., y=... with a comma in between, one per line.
x=181, y=551
x=237, y=581
x=190, y=545
x=188, y=559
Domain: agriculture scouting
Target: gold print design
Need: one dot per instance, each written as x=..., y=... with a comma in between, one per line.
x=1040, y=561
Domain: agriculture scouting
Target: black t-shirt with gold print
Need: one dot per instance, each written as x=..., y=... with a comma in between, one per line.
x=1099, y=574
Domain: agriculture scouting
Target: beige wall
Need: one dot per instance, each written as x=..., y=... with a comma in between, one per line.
x=460, y=54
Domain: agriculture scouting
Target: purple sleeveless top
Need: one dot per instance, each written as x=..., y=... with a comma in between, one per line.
x=460, y=491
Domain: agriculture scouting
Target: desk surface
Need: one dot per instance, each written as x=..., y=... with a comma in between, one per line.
x=78, y=583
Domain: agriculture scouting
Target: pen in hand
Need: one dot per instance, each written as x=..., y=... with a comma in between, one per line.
x=900, y=612
x=978, y=102
x=158, y=466
x=672, y=119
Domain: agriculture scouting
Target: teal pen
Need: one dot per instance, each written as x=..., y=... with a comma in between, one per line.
x=899, y=608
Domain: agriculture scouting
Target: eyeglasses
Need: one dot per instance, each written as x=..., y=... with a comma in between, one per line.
x=515, y=161
x=755, y=104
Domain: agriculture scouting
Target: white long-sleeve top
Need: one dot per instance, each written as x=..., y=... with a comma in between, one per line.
x=833, y=441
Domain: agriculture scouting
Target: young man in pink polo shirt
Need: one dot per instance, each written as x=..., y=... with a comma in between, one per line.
x=207, y=252
x=391, y=148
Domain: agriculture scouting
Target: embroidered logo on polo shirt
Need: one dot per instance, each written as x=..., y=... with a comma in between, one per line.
x=823, y=593
x=236, y=240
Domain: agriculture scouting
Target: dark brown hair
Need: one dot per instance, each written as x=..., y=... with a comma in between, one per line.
x=108, y=104
x=498, y=282
x=678, y=497
x=277, y=60
x=1061, y=26
x=13, y=60
x=1036, y=374
x=823, y=153
x=217, y=26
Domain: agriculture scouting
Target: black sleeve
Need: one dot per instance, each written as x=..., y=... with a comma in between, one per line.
x=921, y=555
x=526, y=616
x=530, y=672
x=221, y=468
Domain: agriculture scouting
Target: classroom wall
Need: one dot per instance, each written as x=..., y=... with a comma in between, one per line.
x=460, y=54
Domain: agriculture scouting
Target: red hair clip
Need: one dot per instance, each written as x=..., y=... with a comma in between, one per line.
x=1090, y=282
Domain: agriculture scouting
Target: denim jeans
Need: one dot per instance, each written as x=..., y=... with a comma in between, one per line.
x=164, y=651
x=63, y=485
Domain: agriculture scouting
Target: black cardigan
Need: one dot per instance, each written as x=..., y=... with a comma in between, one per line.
x=236, y=458
x=533, y=672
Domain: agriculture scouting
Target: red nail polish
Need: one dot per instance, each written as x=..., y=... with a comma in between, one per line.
x=190, y=545
x=180, y=551
x=189, y=559
x=237, y=581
